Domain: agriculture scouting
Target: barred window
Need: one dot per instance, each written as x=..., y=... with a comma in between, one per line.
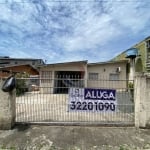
x=93, y=76
x=33, y=62
x=46, y=76
x=113, y=76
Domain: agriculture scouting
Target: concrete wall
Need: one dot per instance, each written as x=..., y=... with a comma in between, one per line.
x=7, y=108
x=142, y=100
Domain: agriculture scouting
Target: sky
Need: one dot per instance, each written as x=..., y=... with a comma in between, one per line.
x=72, y=30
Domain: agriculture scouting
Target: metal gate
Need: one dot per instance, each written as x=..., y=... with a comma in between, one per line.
x=38, y=102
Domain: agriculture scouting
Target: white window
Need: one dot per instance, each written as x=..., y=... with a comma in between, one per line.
x=113, y=76
x=93, y=76
x=46, y=76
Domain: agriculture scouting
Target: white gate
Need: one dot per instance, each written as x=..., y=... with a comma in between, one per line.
x=40, y=103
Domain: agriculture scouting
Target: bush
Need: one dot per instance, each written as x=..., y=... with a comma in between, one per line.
x=131, y=89
x=21, y=87
x=130, y=85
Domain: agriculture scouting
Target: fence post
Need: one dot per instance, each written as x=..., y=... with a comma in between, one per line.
x=142, y=100
x=7, y=108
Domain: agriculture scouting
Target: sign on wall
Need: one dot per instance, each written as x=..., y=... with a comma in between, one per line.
x=93, y=100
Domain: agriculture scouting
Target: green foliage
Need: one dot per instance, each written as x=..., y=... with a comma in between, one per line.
x=131, y=89
x=22, y=75
x=20, y=84
x=3, y=147
x=125, y=147
x=21, y=87
x=130, y=85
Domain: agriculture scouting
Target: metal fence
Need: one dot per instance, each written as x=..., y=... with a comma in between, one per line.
x=46, y=100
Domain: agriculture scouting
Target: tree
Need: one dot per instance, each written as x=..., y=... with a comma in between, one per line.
x=21, y=86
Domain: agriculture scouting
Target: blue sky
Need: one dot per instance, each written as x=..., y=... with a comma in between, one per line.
x=71, y=30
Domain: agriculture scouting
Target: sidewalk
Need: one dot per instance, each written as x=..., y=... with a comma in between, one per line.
x=34, y=137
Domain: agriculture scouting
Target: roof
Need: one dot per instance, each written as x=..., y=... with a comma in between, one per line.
x=63, y=63
x=17, y=65
x=23, y=59
x=108, y=62
x=20, y=68
x=85, y=62
x=146, y=39
x=134, y=46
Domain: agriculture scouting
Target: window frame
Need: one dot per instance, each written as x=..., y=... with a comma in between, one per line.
x=93, y=76
x=113, y=76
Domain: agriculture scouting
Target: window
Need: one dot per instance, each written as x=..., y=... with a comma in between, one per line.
x=113, y=76
x=93, y=76
x=148, y=44
x=46, y=76
x=33, y=62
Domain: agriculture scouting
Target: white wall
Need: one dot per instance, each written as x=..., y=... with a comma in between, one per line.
x=48, y=86
x=104, y=70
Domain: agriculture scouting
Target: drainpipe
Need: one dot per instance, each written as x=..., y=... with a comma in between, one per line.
x=132, y=69
x=132, y=54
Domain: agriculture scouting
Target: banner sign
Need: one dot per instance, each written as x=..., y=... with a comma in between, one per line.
x=93, y=100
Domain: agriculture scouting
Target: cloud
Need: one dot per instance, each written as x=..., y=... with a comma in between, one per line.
x=132, y=15
x=90, y=29
x=59, y=31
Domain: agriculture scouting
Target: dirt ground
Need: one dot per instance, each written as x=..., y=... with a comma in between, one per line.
x=40, y=137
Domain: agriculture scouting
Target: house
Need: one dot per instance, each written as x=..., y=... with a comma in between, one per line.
x=21, y=65
x=8, y=61
x=142, y=60
x=25, y=68
x=56, y=78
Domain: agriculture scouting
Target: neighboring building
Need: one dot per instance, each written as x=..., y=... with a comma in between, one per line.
x=31, y=83
x=142, y=61
x=8, y=61
x=56, y=78
x=8, y=70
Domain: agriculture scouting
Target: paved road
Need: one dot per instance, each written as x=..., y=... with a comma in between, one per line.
x=33, y=137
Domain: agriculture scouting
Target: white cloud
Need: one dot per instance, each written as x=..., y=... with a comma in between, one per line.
x=93, y=29
x=133, y=15
x=70, y=30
